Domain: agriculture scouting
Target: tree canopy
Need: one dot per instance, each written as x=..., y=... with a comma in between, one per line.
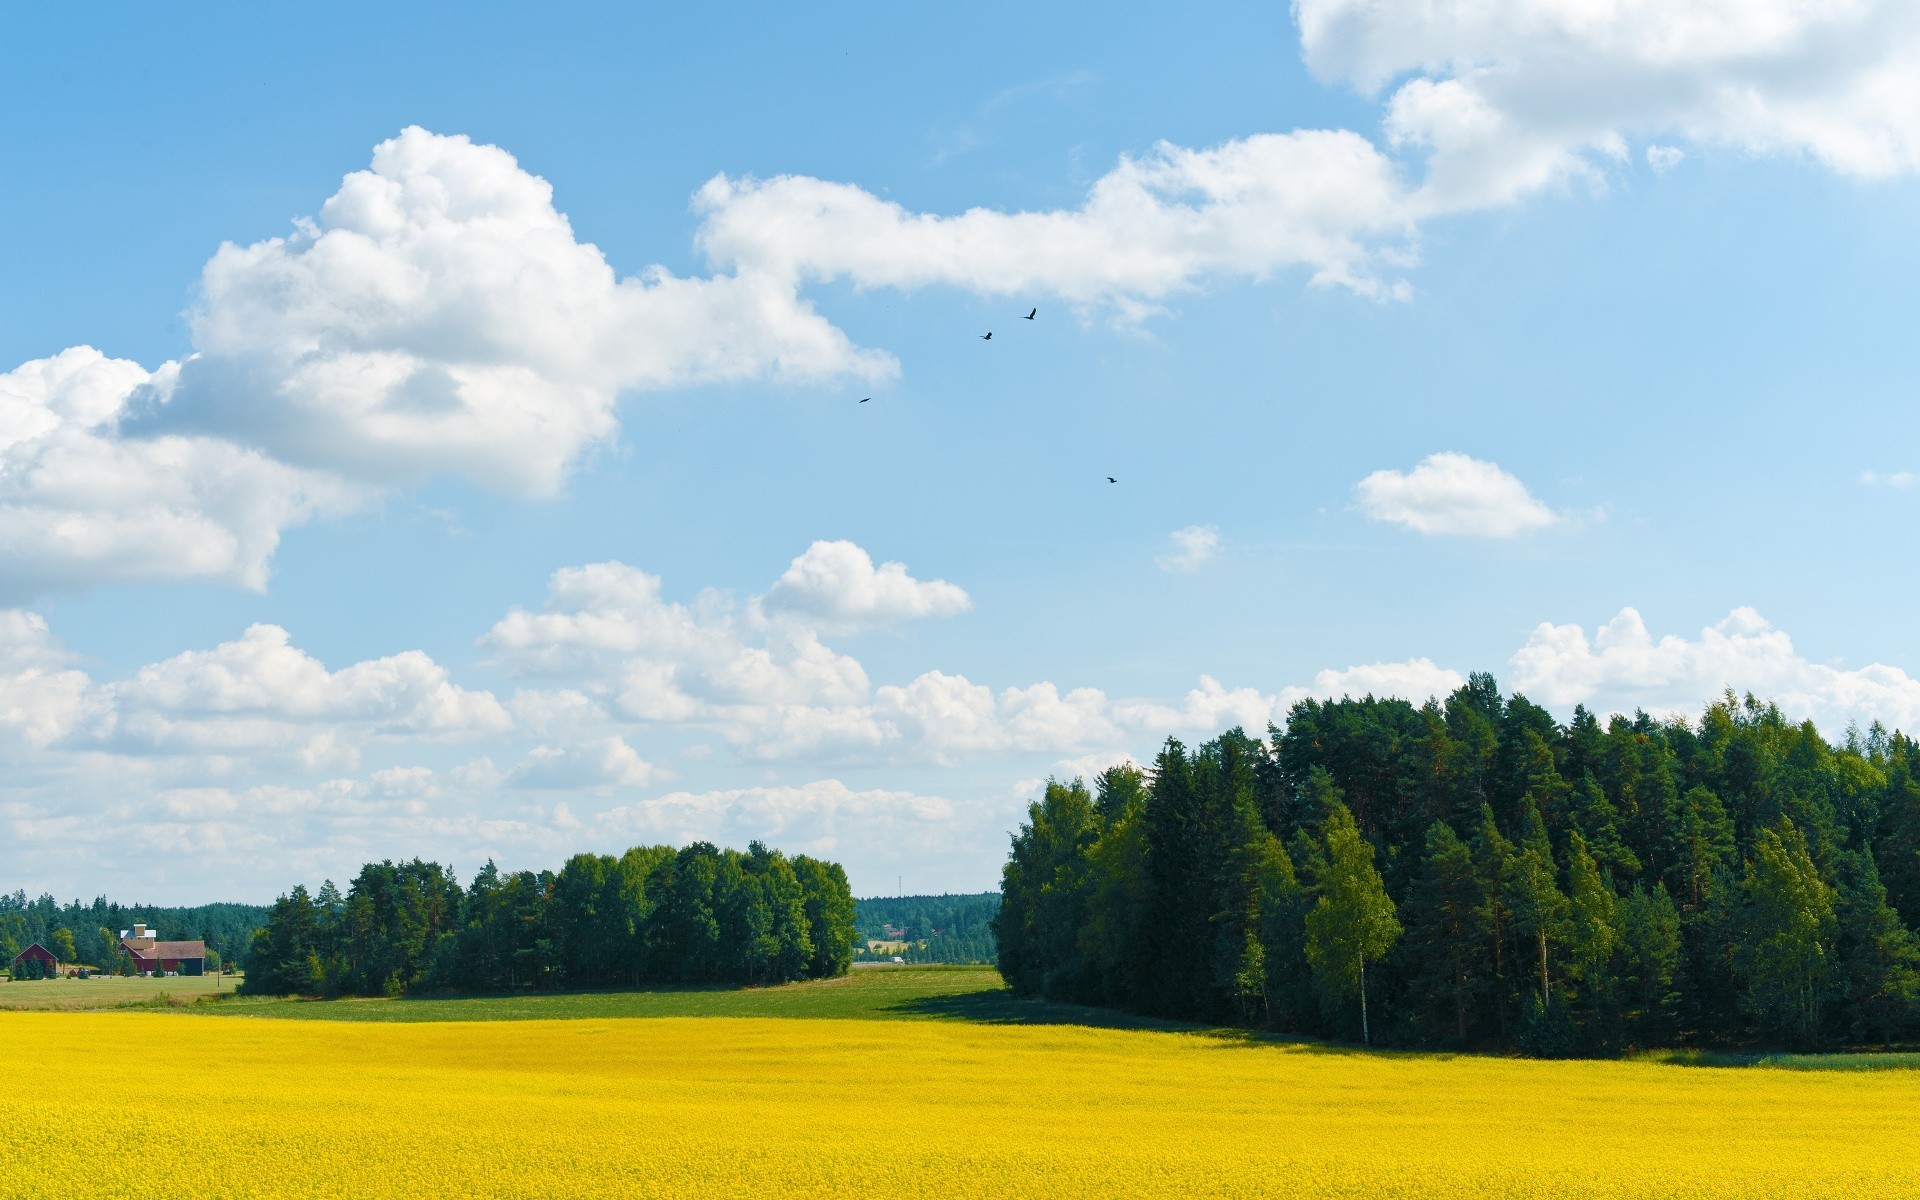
x=1473, y=873
x=653, y=915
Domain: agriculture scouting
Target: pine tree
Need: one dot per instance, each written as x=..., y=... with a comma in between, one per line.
x=1787, y=952
x=1593, y=937
x=1648, y=965
x=1879, y=959
x=1539, y=908
x=1443, y=940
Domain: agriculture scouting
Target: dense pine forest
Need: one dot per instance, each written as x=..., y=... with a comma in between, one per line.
x=700, y=915
x=1475, y=874
x=927, y=929
x=90, y=933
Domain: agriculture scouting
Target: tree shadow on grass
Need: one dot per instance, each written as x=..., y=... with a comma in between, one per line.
x=1001, y=1006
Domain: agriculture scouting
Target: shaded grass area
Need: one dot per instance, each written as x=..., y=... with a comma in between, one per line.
x=1854, y=1060
x=972, y=995
x=872, y=993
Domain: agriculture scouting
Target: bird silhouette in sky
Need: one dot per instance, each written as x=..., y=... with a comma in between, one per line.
x=868, y=398
x=1030, y=316
x=987, y=336
x=1111, y=479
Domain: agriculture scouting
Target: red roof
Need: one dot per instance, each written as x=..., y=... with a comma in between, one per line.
x=38, y=952
x=147, y=950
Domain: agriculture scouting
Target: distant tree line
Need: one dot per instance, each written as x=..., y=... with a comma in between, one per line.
x=700, y=915
x=1474, y=874
x=90, y=933
x=937, y=929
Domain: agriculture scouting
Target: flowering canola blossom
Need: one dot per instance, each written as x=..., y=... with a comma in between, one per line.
x=682, y=1107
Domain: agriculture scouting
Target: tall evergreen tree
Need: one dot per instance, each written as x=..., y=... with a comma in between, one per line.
x=1787, y=954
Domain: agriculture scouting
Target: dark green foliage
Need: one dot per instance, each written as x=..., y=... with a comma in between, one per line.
x=936, y=929
x=1587, y=888
x=95, y=927
x=700, y=915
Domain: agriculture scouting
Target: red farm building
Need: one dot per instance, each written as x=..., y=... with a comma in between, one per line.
x=35, y=953
x=152, y=956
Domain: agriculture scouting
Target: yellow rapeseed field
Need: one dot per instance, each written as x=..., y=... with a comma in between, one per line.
x=125, y=1104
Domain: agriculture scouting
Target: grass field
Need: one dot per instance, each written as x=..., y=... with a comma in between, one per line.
x=106, y=991
x=899, y=1082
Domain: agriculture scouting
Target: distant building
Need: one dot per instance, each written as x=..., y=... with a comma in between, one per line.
x=35, y=953
x=151, y=956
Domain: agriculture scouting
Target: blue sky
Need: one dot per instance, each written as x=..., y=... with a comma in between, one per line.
x=1419, y=344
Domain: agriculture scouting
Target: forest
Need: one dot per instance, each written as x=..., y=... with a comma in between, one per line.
x=90, y=933
x=1473, y=874
x=935, y=929
x=699, y=915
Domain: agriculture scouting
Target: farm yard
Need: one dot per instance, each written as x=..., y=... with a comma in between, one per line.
x=110, y=991
x=900, y=1082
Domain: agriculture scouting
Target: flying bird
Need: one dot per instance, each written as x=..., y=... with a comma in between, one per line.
x=1111, y=479
x=987, y=336
x=1030, y=316
x=868, y=398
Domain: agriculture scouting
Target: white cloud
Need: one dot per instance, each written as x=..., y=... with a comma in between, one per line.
x=1622, y=668
x=439, y=316
x=835, y=585
x=816, y=817
x=1416, y=680
x=42, y=699
x=1512, y=95
x=1664, y=158
x=80, y=503
x=1451, y=493
x=262, y=676
x=605, y=762
x=1190, y=549
x=658, y=660
x=1893, y=479
x=1323, y=201
x=253, y=705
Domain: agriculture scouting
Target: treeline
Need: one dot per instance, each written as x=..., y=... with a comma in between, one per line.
x=90, y=933
x=700, y=915
x=936, y=929
x=1474, y=874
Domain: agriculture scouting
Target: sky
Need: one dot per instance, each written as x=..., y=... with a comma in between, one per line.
x=445, y=433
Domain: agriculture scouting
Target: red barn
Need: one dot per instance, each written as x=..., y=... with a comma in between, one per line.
x=35, y=953
x=152, y=956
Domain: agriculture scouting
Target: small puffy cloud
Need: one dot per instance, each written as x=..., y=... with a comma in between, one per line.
x=603, y=763
x=1209, y=708
x=1622, y=667
x=1190, y=549
x=264, y=675
x=659, y=660
x=1664, y=158
x=1324, y=201
x=1900, y=480
x=1416, y=680
x=835, y=585
x=816, y=817
x=1452, y=493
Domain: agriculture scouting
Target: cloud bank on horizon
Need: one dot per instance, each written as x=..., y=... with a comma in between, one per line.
x=254, y=750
